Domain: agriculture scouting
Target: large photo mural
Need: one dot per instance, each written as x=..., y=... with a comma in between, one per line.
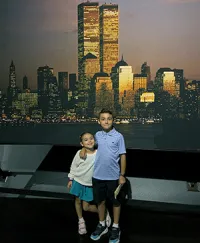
x=62, y=61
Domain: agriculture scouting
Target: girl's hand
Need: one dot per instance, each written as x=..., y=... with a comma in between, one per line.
x=69, y=185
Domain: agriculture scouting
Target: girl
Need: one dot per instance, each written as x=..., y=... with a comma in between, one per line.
x=80, y=181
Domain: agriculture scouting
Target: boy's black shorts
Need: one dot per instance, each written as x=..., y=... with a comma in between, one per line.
x=104, y=190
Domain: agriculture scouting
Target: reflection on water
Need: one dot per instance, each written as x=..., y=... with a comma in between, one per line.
x=136, y=135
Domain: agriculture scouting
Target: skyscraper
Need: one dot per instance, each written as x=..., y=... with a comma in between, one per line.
x=88, y=33
x=109, y=35
x=145, y=70
x=63, y=81
x=169, y=83
x=72, y=81
x=12, y=87
x=44, y=75
x=98, y=34
x=180, y=81
x=25, y=82
x=12, y=76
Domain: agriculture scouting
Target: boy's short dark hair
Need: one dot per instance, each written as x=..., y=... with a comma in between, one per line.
x=104, y=110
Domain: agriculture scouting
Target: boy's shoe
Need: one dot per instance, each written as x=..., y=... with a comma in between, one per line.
x=115, y=235
x=82, y=228
x=100, y=230
x=108, y=219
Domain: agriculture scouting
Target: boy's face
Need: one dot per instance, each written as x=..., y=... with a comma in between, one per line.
x=106, y=121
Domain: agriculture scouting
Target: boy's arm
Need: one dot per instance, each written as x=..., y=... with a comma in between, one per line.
x=122, y=152
x=83, y=153
x=123, y=164
x=122, y=178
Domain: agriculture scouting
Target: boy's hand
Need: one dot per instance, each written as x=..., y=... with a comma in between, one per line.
x=122, y=179
x=69, y=185
x=83, y=154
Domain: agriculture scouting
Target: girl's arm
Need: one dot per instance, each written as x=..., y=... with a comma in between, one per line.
x=74, y=165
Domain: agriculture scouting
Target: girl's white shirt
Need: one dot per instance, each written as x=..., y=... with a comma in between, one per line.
x=82, y=170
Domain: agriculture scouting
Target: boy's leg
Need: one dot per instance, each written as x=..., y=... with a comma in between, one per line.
x=99, y=198
x=116, y=214
x=104, y=216
x=115, y=230
x=102, y=210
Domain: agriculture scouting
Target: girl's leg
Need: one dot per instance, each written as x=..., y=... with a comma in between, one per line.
x=92, y=208
x=78, y=207
x=88, y=207
x=81, y=222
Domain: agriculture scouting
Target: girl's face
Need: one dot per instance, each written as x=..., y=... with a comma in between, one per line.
x=88, y=141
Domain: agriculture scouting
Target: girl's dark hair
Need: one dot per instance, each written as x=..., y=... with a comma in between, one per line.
x=82, y=134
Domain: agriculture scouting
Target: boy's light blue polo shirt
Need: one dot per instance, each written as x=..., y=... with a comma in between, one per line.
x=110, y=146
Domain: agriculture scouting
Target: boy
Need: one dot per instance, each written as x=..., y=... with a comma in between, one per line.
x=107, y=173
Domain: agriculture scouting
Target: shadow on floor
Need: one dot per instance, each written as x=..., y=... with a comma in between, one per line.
x=51, y=220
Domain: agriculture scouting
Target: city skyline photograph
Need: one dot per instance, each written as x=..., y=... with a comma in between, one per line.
x=117, y=76
x=120, y=77
x=63, y=61
x=164, y=33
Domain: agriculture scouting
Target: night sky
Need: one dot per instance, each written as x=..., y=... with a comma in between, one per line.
x=34, y=33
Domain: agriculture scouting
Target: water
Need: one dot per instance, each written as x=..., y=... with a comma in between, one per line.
x=136, y=135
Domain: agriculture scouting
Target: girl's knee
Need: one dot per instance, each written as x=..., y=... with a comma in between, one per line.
x=77, y=200
x=85, y=206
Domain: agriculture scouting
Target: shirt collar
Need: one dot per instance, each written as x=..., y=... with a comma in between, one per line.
x=110, y=133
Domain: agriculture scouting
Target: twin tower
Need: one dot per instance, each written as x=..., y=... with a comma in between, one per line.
x=98, y=35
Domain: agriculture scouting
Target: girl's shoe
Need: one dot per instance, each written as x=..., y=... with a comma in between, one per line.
x=108, y=219
x=82, y=228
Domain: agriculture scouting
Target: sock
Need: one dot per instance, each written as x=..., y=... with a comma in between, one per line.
x=102, y=223
x=115, y=225
x=81, y=219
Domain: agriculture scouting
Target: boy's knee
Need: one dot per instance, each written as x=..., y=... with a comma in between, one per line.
x=116, y=204
x=102, y=203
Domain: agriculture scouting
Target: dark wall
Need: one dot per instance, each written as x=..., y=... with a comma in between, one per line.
x=158, y=164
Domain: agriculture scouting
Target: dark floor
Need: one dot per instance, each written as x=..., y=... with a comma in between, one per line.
x=34, y=220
